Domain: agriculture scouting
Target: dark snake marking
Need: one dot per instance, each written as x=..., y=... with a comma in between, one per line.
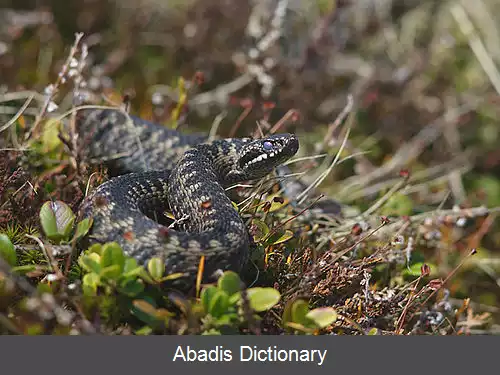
x=181, y=173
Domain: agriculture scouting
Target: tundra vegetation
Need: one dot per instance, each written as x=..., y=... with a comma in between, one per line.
x=395, y=104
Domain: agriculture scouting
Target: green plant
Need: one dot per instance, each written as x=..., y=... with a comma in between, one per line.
x=298, y=317
x=108, y=268
x=57, y=220
x=225, y=303
x=108, y=271
x=7, y=250
x=109, y=274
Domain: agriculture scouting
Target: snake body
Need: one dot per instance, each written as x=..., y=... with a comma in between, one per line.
x=159, y=169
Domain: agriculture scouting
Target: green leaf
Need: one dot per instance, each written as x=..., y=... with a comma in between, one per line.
x=172, y=276
x=295, y=311
x=95, y=248
x=262, y=230
x=227, y=318
x=415, y=269
x=90, y=283
x=7, y=250
x=112, y=272
x=27, y=268
x=49, y=138
x=156, y=268
x=145, y=307
x=234, y=299
x=218, y=304
x=206, y=296
x=90, y=262
x=283, y=238
x=132, y=287
x=144, y=331
x=299, y=311
x=373, y=332
x=164, y=314
x=112, y=254
x=145, y=310
x=322, y=316
x=82, y=228
x=57, y=220
x=229, y=282
x=131, y=268
x=262, y=299
x=143, y=274
x=224, y=320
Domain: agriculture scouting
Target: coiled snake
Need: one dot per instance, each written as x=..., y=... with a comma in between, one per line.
x=159, y=168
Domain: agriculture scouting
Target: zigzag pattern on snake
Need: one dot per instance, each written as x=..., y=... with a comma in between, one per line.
x=160, y=169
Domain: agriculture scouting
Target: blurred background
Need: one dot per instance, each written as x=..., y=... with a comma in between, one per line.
x=416, y=82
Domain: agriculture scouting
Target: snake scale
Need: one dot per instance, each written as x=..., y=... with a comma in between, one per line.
x=157, y=169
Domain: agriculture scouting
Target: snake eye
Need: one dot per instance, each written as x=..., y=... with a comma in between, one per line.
x=268, y=146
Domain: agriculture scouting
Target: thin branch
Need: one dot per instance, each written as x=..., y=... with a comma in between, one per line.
x=18, y=114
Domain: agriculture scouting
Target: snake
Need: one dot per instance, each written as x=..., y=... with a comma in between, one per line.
x=156, y=169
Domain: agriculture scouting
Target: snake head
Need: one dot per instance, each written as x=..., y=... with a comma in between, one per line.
x=261, y=156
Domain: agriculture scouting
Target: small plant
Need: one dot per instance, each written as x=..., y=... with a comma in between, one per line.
x=298, y=317
x=58, y=223
x=107, y=267
x=225, y=303
x=263, y=234
x=108, y=271
x=57, y=220
x=109, y=274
